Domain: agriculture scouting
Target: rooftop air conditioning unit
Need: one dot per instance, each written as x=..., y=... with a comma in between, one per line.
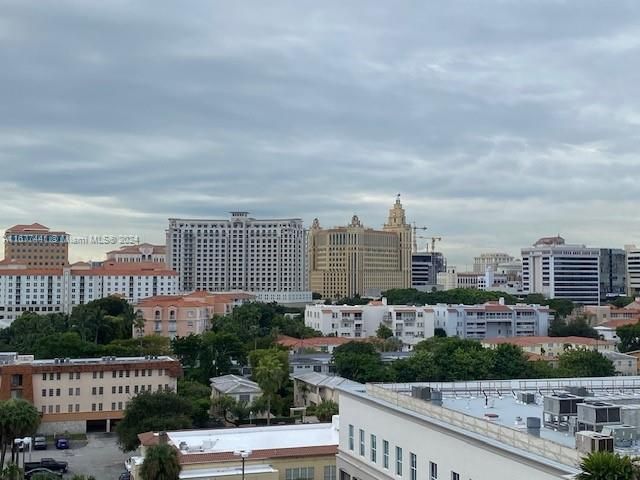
x=588, y=442
x=526, y=397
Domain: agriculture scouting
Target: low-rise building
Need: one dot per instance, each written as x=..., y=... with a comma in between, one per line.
x=314, y=388
x=239, y=388
x=599, y=314
x=553, y=346
x=313, y=344
x=267, y=453
x=144, y=252
x=76, y=395
x=180, y=315
x=624, y=364
x=609, y=330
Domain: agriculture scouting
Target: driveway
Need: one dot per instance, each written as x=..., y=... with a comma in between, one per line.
x=100, y=457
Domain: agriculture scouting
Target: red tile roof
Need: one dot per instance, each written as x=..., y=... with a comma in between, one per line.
x=314, y=342
x=28, y=228
x=621, y=322
x=107, y=268
x=197, y=298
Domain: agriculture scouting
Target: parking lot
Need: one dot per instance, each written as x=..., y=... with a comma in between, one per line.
x=100, y=457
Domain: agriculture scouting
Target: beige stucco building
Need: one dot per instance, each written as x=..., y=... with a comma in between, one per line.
x=36, y=246
x=76, y=395
x=355, y=260
x=553, y=346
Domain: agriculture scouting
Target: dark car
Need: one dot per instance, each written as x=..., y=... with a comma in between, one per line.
x=62, y=444
x=42, y=470
x=39, y=442
x=48, y=464
x=125, y=476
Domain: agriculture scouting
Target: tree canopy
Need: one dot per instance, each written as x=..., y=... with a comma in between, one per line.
x=585, y=363
x=606, y=466
x=629, y=336
x=161, y=462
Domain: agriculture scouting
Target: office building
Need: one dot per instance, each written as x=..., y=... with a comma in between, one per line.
x=451, y=278
x=181, y=315
x=145, y=252
x=282, y=452
x=83, y=394
x=356, y=260
x=59, y=290
x=557, y=270
x=425, y=267
x=633, y=270
x=498, y=429
x=241, y=253
x=613, y=273
x=35, y=246
x=493, y=260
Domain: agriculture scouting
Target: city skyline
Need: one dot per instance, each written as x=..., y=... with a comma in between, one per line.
x=499, y=124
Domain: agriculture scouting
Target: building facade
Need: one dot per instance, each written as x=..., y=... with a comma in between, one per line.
x=145, y=252
x=613, y=272
x=355, y=260
x=425, y=267
x=59, y=290
x=493, y=260
x=181, y=315
x=239, y=388
x=633, y=270
x=241, y=253
x=553, y=346
x=36, y=246
x=77, y=395
x=557, y=270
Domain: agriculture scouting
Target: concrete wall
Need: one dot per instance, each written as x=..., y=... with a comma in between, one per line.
x=53, y=428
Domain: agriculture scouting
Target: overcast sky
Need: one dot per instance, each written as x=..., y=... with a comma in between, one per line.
x=498, y=121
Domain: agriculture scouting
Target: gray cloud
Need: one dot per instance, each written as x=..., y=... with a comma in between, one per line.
x=499, y=121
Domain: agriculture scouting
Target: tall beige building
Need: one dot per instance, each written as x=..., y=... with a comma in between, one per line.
x=350, y=260
x=36, y=246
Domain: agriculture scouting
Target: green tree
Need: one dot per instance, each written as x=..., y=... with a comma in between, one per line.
x=270, y=375
x=61, y=345
x=199, y=396
x=585, y=363
x=439, y=332
x=326, y=409
x=467, y=296
x=161, y=462
x=218, y=354
x=152, y=411
x=606, y=466
x=629, y=336
x=187, y=349
x=360, y=361
x=384, y=332
x=621, y=302
x=510, y=361
x=18, y=418
x=577, y=327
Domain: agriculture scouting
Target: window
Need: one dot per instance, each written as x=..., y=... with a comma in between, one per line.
x=94, y=390
x=455, y=476
x=101, y=390
x=433, y=471
x=399, y=461
x=77, y=391
x=300, y=473
x=113, y=389
x=95, y=374
x=329, y=472
x=385, y=454
x=414, y=466
x=361, y=443
x=372, y=448
x=44, y=376
x=70, y=408
x=57, y=392
x=44, y=392
x=93, y=407
x=351, y=437
x=71, y=392
x=120, y=389
x=77, y=407
x=126, y=389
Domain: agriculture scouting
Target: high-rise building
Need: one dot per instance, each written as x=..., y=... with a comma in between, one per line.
x=425, y=267
x=36, y=246
x=558, y=270
x=144, y=252
x=492, y=260
x=633, y=270
x=241, y=253
x=613, y=272
x=355, y=260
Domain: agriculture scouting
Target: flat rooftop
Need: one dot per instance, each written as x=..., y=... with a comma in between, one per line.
x=12, y=358
x=255, y=438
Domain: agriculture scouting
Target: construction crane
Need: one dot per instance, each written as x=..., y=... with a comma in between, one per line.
x=415, y=237
x=433, y=243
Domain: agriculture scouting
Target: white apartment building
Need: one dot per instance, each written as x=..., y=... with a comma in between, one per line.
x=386, y=434
x=633, y=270
x=489, y=280
x=493, y=260
x=558, y=270
x=50, y=290
x=412, y=324
x=241, y=253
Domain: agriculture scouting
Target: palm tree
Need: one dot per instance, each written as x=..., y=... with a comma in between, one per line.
x=606, y=466
x=160, y=463
x=270, y=375
x=18, y=418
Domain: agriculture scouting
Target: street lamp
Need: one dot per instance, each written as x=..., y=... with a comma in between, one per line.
x=244, y=454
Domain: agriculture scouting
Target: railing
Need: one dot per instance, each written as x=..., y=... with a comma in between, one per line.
x=509, y=436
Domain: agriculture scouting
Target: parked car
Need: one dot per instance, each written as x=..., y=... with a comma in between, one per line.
x=39, y=442
x=41, y=470
x=62, y=444
x=47, y=463
x=125, y=476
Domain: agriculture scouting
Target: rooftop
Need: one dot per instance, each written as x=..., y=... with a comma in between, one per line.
x=528, y=341
x=13, y=358
x=314, y=342
x=321, y=380
x=234, y=384
x=195, y=299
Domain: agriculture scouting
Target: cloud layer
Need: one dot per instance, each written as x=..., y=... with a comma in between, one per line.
x=498, y=121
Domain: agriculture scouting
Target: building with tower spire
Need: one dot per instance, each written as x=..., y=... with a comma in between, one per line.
x=356, y=260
